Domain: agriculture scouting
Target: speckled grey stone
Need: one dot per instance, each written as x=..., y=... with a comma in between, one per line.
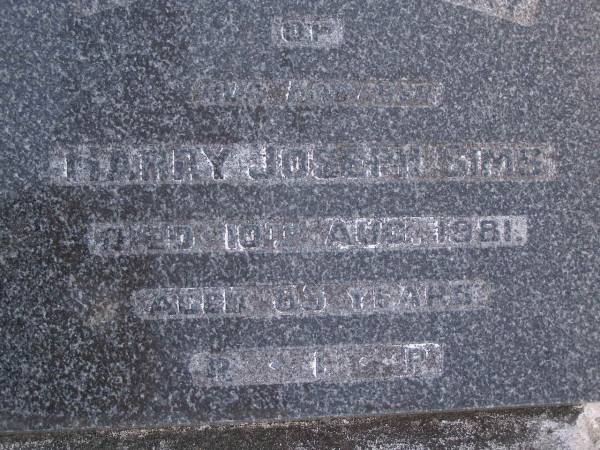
x=556, y=428
x=83, y=78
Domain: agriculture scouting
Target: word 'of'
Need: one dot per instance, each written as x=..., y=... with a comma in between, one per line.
x=315, y=32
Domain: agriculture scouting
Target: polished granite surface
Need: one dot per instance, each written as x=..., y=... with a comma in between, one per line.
x=221, y=211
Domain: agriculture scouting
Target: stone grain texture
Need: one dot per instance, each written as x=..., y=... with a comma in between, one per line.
x=74, y=353
x=558, y=428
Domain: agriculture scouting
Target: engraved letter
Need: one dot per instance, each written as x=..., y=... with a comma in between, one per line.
x=489, y=231
x=269, y=169
x=339, y=235
x=217, y=159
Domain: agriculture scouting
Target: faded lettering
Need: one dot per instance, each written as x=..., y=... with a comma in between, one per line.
x=523, y=12
x=333, y=364
x=311, y=235
x=91, y=7
x=339, y=299
x=300, y=163
x=375, y=93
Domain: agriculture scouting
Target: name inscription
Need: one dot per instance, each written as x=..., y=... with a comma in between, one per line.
x=334, y=364
x=310, y=235
x=339, y=299
x=299, y=163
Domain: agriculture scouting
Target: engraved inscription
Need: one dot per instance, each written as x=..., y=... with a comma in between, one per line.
x=376, y=93
x=338, y=299
x=310, y=235
x=299, y=163
x=329, y=364
x=315, y=32
x=523, y=12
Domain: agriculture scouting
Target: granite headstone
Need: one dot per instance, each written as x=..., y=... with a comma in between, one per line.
x=219, y=211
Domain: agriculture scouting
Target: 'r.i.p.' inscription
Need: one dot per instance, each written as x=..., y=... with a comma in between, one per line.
x=333, y=364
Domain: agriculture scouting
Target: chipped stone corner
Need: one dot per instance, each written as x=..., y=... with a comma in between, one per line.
x=582, y=434
x=587, y=428
x=526, y=13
